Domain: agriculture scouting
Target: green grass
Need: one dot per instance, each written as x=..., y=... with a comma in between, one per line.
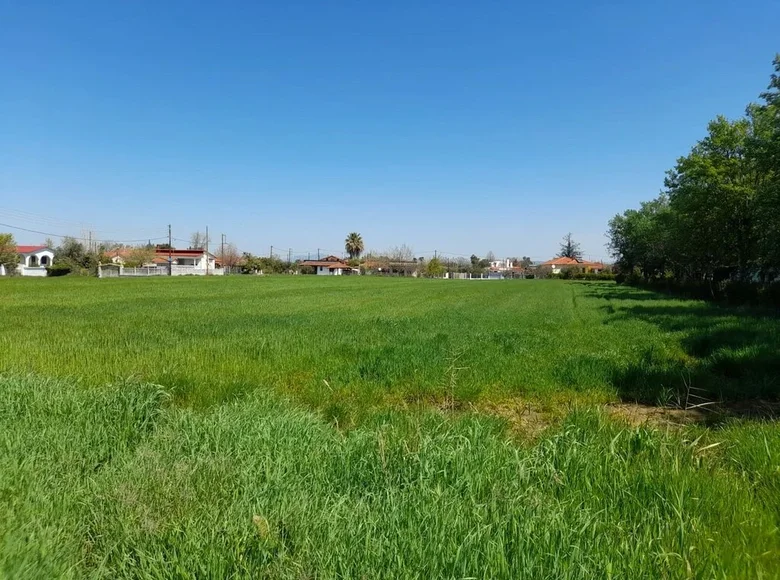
x=345, y=344
x=115, y=484
x=185, y=428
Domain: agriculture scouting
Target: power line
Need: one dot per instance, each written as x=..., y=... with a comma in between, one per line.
x=77, y=237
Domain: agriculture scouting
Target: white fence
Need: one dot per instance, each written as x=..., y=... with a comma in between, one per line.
x=117, y=271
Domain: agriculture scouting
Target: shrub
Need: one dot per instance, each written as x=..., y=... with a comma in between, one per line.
x=58, y=270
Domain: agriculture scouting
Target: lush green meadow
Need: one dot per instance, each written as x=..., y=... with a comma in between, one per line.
x=322, y=427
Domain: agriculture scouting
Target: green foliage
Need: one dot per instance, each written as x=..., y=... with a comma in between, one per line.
x=9, y=258
x=570, y=248
x=718, y=221
x=72, y=254
x=251, y=264
x=59, y=269
x=139, y=256
x=354, y=245
x=434, y=268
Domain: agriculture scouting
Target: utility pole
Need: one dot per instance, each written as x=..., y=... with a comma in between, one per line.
x=318, y=253
x=435, y=254
x=207, y=250
x=170, y=252
x=222, y=250
x=272, y=253
x=289, y=255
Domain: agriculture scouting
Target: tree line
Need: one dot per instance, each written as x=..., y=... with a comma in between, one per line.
x=714, y=231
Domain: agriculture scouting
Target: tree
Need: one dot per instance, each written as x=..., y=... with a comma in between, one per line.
x=198, y=240
x=570, y=248
x=764, y=149
x=229, y=256
x=491, y=257
x=139, y=256
x=712, y=194
x=70, y=251
x=72, y=254
x=640, y=238
x=9, y=258
x=717, y=224
x=526, y=262
x=354, y=245
x=434, y=268
x=402, y=253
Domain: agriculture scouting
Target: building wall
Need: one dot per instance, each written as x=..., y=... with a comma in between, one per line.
x=39, y=271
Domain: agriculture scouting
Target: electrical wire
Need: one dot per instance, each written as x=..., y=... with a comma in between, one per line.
x=80, y=238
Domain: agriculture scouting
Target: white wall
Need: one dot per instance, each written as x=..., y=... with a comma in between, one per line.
x=26, y=270
x=38, y=272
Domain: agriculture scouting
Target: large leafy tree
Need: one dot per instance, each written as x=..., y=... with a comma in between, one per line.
x=354, y=245
x=640, y=238
x=764, y=148
x=719, y=218
x=712, y=192
x=9, y=258
x=570, y=248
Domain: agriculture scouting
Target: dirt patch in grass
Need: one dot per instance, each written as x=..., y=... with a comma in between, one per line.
x=523, y=418
x=648, y=415
x=638, y=414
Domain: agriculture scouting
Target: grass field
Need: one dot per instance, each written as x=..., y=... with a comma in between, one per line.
x=316, y=427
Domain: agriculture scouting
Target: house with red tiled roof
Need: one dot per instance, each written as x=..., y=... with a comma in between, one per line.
x=33, y=260
x=164, y=262
x=557, y=265
x=329, y=266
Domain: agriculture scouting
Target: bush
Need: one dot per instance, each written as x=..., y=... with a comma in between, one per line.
x=58, y=270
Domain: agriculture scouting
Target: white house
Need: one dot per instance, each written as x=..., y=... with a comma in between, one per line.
x=501, y=265
x=32, y=260
x=184, y=262
x=329, y=266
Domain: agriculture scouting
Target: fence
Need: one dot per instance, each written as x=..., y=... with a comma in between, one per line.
x=117, y=271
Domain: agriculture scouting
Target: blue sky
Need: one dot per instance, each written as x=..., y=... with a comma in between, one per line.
x=459, y=127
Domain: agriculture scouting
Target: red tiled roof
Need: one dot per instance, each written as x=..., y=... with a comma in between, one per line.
x=119, y=252
x=30, y=249
x=563, y=261
x=325, y=264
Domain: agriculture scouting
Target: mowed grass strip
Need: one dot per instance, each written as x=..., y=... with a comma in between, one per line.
x=115, y=482
x=349, y=345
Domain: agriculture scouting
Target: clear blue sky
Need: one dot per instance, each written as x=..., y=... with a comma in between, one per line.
x=457, y=126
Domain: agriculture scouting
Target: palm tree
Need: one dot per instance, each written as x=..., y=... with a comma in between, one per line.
x=354, y=245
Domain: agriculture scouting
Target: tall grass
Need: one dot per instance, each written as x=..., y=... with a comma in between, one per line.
x=115, y=484
x=352, y=345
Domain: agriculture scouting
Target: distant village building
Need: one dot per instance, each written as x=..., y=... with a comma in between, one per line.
x=190, y=262
x=33, y=261
x=330, y=266
x=558, y=265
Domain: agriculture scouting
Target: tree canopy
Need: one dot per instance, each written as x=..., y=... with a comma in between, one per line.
x=9, y=258
x=354, y=245
x=718, y=218
x=570, y=248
